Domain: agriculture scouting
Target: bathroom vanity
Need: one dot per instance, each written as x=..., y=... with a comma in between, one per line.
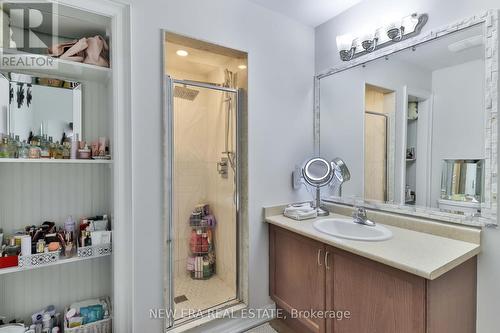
x=417, y=281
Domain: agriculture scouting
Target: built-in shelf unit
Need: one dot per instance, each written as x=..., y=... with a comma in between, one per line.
x=410, y=194
x=38, y=190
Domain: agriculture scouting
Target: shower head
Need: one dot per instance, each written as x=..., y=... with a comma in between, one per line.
x=185, y=93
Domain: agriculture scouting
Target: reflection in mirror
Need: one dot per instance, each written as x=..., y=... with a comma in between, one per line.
x=394, y=120
x=462, y=186
x=380, y=105
x=41, y=106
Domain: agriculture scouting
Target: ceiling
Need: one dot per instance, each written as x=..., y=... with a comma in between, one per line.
x=309, y=12
x=203, y=58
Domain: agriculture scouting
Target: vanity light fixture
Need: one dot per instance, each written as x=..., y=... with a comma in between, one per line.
x=242, y=66
x=182, y=53
x=409, y=26
x=346, y=46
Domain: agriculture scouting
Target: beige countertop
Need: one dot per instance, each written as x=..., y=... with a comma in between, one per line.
x=420, y=253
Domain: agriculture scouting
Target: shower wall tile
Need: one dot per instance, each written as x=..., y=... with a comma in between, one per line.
x=199, y=136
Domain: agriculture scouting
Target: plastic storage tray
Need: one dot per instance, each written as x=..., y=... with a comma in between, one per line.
x=101, y=326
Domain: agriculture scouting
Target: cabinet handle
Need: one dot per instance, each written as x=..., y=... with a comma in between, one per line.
x=319, y=255
x=326, y=259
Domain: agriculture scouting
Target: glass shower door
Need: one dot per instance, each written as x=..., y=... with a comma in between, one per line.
x=202, y=123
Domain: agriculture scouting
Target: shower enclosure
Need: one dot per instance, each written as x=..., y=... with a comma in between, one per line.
x=202, y=211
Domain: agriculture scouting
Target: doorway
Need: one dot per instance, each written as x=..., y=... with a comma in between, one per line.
x=205, y=91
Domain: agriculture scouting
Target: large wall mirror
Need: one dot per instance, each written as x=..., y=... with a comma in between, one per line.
x=417, y=126
x=42, y=106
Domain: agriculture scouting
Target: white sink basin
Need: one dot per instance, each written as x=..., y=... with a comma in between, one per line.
x=346, y=228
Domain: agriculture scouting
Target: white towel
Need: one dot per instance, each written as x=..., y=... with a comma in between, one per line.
x=300, y=211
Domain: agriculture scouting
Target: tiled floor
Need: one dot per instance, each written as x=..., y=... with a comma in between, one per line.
x=201, y=294
x=266, y=328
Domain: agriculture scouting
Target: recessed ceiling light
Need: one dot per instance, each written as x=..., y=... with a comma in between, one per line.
x=182, y=53
x=242, y=66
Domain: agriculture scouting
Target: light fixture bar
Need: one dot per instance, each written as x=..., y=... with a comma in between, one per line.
x=350, y=48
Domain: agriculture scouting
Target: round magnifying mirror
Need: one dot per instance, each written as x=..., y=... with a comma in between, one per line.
x=318, y=172
x=341, y=172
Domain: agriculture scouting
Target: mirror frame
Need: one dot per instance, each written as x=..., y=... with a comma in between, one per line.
x=75, y=86
x=488, y=217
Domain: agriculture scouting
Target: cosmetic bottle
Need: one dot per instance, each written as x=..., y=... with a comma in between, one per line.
x=88, y=239
x=74, y=147
x=23, y=150
x=34, y=152
x=66, y=150
x=52, y=148
x=12, y=249
x=4, y=148
x=84, y=153
x=44, y=148
x=12, y=146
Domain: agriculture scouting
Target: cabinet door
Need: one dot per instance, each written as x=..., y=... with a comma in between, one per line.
x=297, y=275
x=380, y=299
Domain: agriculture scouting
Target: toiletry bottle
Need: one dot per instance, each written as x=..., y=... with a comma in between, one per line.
x=12, y=148
x=44, y=147
x=66, y=150
x=18, y=145
x=4, y=148
x=23, y=151
x=74, y=146
x=88, y=239
x=52, y=148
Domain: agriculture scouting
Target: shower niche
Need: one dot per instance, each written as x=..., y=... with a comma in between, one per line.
x=205, y=89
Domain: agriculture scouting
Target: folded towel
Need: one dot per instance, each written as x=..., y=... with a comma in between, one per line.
x=300, y=211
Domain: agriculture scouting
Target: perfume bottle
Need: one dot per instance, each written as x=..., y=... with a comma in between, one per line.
x=17, y=146
x=34, y=151
x=12, y=146
x=4, y=148
x=44, y=147
x=52, y=148
x=66, y=150
x=23, y=151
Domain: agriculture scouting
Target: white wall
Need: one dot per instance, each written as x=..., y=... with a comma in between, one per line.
x=281, y=67
x=440, y=13
x=458, y=112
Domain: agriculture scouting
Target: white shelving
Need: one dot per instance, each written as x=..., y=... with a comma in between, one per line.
x=67, y=69
x=54, y=161
x=59, y=262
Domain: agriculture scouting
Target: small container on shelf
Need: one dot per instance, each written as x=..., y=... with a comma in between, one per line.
x=89, y=316
x=95, y=250
x=39, y=259
x=11, y=261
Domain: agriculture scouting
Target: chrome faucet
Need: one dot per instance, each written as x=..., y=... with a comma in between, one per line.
x=359, y=216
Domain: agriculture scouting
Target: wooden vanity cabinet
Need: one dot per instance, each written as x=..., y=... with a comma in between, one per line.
x=297, y=275
x=306, y=274
x=379, y=298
